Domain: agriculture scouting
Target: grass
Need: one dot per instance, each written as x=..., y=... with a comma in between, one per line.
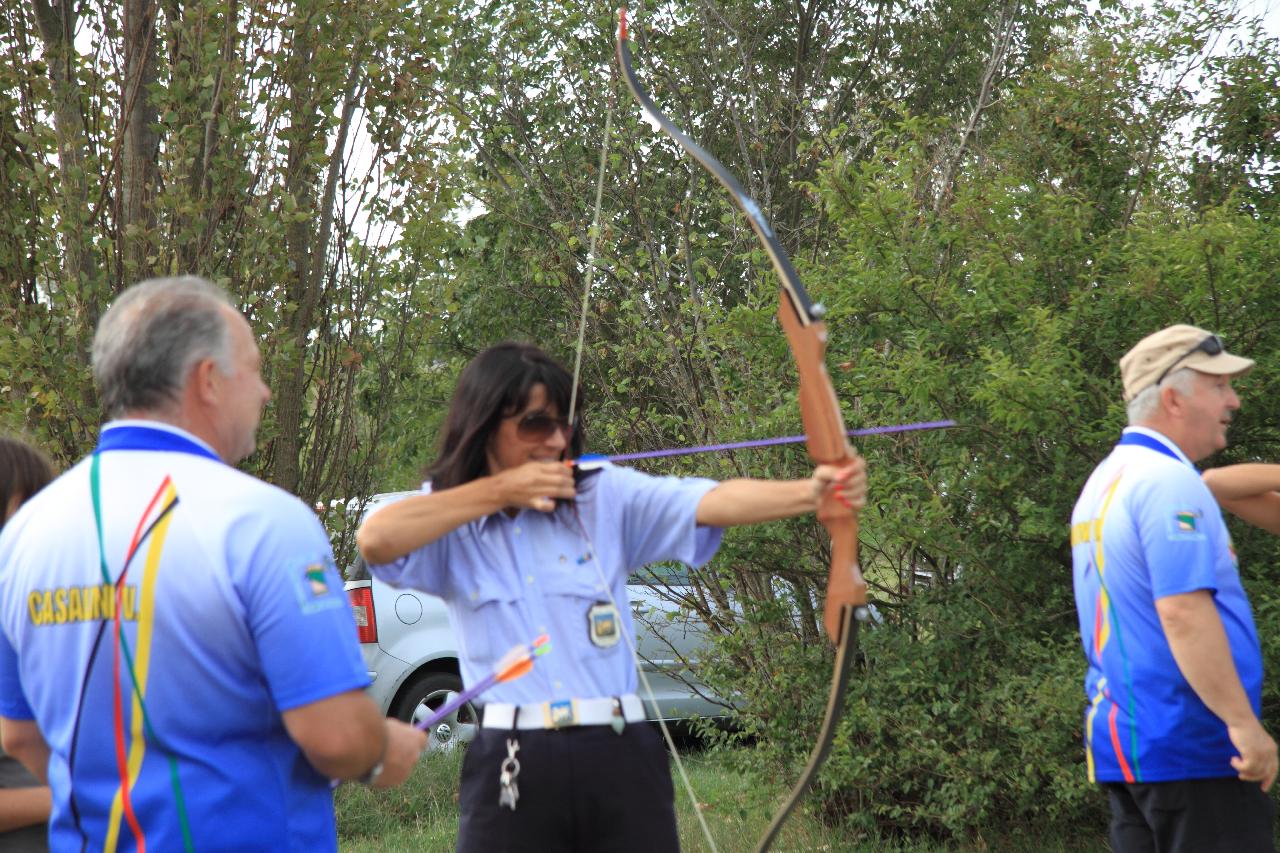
x=422, y=815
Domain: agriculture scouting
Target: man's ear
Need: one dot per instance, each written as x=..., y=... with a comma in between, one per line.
x=1171, y=399
x=204, y=381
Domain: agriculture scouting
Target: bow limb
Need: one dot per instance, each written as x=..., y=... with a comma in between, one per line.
x=807, y=336
x=846, y=599
x=824, y=427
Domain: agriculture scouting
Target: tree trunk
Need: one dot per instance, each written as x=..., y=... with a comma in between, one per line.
x=57, y=30
x=141, y=145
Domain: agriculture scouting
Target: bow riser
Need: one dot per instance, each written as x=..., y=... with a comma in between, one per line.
x=827, y=445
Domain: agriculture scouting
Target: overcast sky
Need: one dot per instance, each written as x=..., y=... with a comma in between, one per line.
x=1270, y=10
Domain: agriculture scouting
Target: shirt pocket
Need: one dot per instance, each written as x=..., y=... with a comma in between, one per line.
x=584, y=611
x=488, y=612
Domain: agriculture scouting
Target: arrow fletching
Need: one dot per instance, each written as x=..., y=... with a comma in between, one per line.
x=512, y=665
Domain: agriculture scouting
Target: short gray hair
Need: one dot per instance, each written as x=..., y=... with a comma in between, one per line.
x=1143, y=407
x=150, y=338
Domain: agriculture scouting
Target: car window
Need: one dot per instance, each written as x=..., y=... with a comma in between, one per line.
x=662, y=574
x=359, y=570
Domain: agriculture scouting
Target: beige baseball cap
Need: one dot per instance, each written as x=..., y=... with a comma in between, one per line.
x=1159, y=354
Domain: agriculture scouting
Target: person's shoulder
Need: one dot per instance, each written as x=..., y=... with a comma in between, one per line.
x=48, y=506
x=1167, y=479
x=1164, y=470
x=234, y=490
x=610, y=476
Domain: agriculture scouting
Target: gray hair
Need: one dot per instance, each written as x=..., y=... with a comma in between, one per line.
x=151, y=337
x=1143, y=407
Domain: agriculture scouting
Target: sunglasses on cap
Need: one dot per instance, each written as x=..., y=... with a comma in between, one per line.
x=539, y=426
x=1211, y=345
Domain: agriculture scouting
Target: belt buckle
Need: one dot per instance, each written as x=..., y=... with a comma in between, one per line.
x=559, y=715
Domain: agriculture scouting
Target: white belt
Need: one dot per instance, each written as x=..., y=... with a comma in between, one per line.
x=563, y=714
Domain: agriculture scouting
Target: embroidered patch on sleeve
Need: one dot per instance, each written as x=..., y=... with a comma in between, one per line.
x=316, y=586
x=1186, y=524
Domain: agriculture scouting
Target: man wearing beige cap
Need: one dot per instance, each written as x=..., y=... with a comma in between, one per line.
x=1174, y=676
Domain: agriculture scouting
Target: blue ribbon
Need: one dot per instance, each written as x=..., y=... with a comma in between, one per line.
x=1144, y=440
x=146, y=438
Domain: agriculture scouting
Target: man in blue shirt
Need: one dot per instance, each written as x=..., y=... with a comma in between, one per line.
x=177, y=656
x=1174, y=676
x=518, y=546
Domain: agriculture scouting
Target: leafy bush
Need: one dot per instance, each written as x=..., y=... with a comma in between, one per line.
x=1004, y=300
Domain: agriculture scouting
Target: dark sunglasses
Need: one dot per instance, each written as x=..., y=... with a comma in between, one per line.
x=1211, y=345
x=538, y=426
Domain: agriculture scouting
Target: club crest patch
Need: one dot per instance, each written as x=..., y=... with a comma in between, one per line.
x=315, y=588
x=315, y=577
x=603, y=624
x=1186, y=524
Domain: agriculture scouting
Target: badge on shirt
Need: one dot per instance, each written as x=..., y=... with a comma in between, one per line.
x=1186, y=524
x=314, y=587
x=603, y=624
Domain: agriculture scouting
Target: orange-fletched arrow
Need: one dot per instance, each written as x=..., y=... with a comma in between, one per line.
x=514, y=664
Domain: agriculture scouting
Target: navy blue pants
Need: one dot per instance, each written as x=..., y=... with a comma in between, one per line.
x=581, y=789
x=1191, y=816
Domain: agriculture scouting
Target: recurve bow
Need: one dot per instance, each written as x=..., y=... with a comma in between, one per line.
x=824, y=428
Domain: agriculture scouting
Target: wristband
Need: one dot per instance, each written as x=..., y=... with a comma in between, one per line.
x=372, y=776
x=376, y=770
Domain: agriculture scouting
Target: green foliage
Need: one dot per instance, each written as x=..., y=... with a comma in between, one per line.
x=957, y=724
x=993, y=202
x=1003, y=300
x=280, y=149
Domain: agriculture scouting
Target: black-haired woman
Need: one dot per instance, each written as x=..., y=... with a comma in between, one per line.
x=24, y=802
x=518, y=546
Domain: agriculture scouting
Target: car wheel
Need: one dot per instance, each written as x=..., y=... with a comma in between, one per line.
x=428, y=691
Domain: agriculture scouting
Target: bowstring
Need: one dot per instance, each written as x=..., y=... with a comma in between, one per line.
x=593, y=236
x=648, y=688
x=582, y=528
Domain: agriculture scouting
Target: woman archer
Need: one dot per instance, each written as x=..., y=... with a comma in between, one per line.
x=518, y=545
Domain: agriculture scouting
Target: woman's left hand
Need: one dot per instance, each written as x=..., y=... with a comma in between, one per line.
x=848, y=484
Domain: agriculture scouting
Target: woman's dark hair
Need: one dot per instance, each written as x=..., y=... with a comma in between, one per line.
x=24, y=470
x=495, y=385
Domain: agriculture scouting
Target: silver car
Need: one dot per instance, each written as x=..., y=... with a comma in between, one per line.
x=412, y=655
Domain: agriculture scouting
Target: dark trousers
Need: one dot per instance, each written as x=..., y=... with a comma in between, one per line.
x=1191, y=816
x=581, y=789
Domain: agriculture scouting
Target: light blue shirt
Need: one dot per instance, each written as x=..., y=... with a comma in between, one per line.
x=507, y=580
x=232, y=612
x=1146, y=527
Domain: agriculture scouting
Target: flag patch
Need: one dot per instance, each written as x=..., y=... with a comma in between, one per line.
x=316, y=580
x=314, y=585
x=1186, y=520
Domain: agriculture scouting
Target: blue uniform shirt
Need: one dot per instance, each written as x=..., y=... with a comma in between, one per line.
x=1145, y=527
x=508, y=579
x=232, y=611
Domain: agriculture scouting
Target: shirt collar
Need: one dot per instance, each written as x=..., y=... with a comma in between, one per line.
x=498, y=518
x=138, y=434
x=1163, y=439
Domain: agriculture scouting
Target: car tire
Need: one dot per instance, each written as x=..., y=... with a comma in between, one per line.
x=426, y=692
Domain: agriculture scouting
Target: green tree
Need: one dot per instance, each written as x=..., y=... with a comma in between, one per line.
x=279, y=149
